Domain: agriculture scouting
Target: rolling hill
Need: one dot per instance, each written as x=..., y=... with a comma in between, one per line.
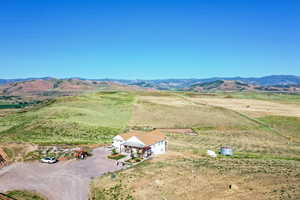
x=57, y=87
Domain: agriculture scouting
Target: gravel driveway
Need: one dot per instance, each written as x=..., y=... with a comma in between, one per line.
x=66, y=180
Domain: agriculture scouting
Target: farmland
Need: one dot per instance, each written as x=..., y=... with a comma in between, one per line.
x=263, y=130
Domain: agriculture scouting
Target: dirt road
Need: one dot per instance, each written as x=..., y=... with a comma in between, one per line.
x=67, y=180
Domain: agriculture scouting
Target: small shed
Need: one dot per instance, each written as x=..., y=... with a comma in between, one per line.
x=226, y=151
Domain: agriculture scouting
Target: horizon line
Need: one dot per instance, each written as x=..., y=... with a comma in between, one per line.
x=129, y=79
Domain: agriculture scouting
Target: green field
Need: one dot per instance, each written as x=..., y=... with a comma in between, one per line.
x=91, y=118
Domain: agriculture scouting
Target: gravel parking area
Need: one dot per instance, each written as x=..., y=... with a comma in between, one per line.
x=66, y=180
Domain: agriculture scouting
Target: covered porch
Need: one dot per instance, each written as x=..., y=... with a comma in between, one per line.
x=135, y=149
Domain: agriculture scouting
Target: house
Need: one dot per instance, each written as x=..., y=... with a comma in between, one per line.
x=140, y=143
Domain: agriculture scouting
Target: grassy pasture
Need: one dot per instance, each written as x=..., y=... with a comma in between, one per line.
x=175, y=112
x=266, y=164
x=90, y=118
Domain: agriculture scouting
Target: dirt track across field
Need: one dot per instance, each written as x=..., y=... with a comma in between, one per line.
x=67, y=180
x=252, y=106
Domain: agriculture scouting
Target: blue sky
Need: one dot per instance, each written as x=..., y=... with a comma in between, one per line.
x=145, y=39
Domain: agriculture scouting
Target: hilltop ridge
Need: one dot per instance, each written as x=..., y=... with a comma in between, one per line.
x=274, y=83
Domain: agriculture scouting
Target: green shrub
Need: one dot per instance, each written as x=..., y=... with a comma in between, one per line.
x=114, y=151
x=24, y=195
x=116, y=156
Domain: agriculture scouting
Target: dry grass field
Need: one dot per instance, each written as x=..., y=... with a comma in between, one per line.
x=253, y=106
x=266, y=164
x=185, y=172
x=177, y=112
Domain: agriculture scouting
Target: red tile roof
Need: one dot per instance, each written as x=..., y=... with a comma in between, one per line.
x=148, y=138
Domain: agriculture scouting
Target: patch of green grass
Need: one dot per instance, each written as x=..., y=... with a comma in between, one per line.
x=116, y=192
x=288, y=126
x=241, y=155
x=24, y=195
x=207, y=128
x=51, y=132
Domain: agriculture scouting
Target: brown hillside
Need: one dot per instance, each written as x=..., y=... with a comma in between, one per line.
x=28, y=86
x=236, y=86
x=60, y=86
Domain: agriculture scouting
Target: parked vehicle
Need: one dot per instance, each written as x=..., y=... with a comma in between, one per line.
x=49, y=160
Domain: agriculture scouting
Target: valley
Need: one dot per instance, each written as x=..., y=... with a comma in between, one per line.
x=262, y=128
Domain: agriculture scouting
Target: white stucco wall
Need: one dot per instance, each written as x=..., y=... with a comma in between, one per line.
x=117, y=141
x=159, y=147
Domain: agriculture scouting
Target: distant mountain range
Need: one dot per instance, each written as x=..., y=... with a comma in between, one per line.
x=58, y=87
x=284, y=83
x=275, y=80
x=233, y=85
x=181, y=83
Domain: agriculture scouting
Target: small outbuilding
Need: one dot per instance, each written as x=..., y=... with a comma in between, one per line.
x=226, y=151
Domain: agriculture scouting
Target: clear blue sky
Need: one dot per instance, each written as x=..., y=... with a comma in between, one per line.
x=149, y=39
